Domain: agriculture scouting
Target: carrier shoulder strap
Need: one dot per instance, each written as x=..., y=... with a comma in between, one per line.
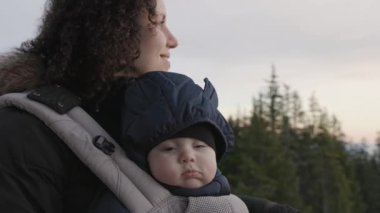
x=106, y=159
x=80, y=132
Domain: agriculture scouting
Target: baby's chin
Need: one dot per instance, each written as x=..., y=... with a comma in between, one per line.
x=193, y=184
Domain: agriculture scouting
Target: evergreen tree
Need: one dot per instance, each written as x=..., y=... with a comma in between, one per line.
x=368, y=173
x=287, y=154
x=261, y=165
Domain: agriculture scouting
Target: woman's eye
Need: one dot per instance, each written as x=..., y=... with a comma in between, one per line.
x=161, y=20
x=151, y=26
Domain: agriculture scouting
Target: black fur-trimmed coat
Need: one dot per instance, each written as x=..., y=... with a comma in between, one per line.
x=38, y=172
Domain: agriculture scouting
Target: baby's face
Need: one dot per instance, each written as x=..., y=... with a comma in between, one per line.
x=183, y=162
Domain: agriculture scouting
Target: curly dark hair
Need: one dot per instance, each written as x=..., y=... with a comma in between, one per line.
x=83, y=43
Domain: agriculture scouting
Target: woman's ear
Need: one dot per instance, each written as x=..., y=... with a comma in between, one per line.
x=210, y=93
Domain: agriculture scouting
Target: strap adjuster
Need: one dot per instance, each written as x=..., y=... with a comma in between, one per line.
x=103, y=144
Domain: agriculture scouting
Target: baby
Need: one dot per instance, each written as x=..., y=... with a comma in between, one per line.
x=171, y=129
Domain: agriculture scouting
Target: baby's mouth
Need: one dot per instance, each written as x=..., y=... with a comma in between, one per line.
x=191, y=174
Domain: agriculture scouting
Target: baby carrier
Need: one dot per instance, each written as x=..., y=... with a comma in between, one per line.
x=136, y=189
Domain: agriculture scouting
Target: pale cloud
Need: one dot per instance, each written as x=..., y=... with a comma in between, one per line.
x=19, y=21
x=282, y=28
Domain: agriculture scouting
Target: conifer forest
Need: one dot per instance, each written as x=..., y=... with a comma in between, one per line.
x=298, y=155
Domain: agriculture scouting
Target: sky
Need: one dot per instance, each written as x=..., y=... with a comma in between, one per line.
x=329, y=48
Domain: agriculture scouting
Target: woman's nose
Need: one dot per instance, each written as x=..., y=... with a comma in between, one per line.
x=171, y=40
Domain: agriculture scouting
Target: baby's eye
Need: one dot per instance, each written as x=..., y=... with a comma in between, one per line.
x=167, y=149
x=200, y=145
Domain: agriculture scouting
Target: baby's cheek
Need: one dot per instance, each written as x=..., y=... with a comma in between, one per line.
x=168, y=177
x=211, y=171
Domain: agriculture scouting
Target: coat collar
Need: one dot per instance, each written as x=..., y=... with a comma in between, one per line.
x=19, y=72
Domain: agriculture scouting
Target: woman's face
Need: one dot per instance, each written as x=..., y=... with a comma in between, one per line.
x=156, y=42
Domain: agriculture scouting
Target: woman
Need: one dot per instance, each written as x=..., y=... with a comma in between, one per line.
x=85, y=46
x=89, y=47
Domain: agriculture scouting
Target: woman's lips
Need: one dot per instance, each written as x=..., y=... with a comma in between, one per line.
x=167, y=56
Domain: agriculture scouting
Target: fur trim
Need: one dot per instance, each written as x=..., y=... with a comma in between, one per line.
x=19, y=72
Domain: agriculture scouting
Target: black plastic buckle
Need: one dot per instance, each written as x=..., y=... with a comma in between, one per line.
x=103, y=144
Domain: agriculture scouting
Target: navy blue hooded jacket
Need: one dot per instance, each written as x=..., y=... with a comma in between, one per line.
x=159, y=104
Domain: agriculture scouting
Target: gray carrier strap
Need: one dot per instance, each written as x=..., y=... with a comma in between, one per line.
x=137, y=190
x=77, y=129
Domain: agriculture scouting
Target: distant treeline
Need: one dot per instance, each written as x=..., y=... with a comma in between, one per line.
x=296, y=156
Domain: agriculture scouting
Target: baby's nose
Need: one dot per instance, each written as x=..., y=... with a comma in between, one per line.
x=187, y=156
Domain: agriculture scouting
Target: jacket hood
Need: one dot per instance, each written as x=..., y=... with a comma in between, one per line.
x=159, y=104
x=19, y=72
